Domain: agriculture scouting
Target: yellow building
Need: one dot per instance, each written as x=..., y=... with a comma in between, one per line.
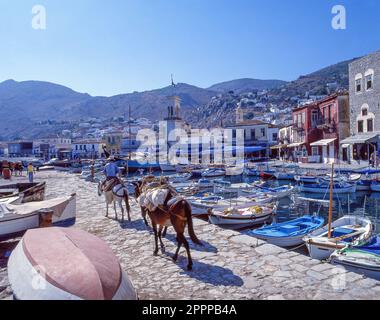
x=112, y=141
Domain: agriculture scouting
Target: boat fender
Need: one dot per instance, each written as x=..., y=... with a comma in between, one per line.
x=45, y=218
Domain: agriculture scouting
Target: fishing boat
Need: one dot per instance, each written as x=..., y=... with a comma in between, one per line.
x=208, y=203
x=363, y=259
x=235, y=218
x=290, y=233
x=322, y=188
x=312, y=179
x=252, y=172
x=275, y=192
x=348, y=229
x=66, y=264
x=213, y=172
x=267, y=174
x=15, y=219
x=285, y=175
x=179, y=178
x=222, y=186
x=30, y=191
x=337, y=235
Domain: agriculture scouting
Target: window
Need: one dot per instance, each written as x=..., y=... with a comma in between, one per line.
x=274, y=136
x=358, y=83
x=360, y=126
x=314, y=118
x=233, y=133
x=262, y=132
x=93, y=147
x=364, y=112
x=370, y=125
x=253, y=134
x=303, y=117
x=368, y=81
x=314, y=151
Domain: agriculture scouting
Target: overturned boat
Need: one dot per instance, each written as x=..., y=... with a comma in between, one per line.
x=66, y=264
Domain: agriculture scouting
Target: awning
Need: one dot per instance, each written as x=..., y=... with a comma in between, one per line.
x=295, y=145
x=324, y=142
x=280, y=146
x=360, y=139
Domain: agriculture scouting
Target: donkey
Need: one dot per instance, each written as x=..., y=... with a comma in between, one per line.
x=117, y=194
x=177, y=214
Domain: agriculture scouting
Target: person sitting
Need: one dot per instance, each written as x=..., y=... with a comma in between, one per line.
x=111, y=171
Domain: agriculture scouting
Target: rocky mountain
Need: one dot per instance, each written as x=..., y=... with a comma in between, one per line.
x=246, y=85
x=24, y=103
x=221, y=109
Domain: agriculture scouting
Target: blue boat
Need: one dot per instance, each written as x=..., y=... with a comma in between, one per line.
x=290, y=233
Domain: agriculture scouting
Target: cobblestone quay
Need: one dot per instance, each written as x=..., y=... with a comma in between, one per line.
x=230, y=265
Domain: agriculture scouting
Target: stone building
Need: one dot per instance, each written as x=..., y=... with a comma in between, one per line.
x=364, y=78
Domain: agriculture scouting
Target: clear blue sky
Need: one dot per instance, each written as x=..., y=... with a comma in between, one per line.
x=119, y=46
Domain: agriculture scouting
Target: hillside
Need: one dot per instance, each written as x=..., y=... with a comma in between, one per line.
x=246, y=85
x=24, y=103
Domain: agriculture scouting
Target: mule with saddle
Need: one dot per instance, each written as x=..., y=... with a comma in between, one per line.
x=165, y=208
x=115, y=191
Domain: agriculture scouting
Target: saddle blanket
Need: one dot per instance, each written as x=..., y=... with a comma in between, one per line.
x=110, y=184
x=151, y=199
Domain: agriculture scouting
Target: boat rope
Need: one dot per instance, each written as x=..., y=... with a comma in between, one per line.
x=296, y=248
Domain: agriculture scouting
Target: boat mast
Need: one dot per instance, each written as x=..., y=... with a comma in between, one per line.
x=129, y=132
x=331, y=199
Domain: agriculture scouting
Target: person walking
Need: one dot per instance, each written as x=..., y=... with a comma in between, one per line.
x=30, y=170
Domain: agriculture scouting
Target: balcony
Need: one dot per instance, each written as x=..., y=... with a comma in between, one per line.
x=327, y=125
x=298, y=127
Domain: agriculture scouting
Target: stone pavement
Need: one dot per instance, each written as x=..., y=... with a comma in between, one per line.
x=230, y=265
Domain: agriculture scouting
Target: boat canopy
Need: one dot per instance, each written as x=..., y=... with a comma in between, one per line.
x=323, y=142
x=360, y=139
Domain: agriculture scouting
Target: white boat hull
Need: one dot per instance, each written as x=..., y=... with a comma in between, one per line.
x=305, y=188
x=321, y=248
x=17, y=224
x=241, y=222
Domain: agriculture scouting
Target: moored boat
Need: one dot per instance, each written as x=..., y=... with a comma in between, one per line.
x=290, y=233
x=15, y=219
x=213, y=172
x=363, y=259
x=66, y=264
x=344, y=231
x=242, y=218
x=321, y=188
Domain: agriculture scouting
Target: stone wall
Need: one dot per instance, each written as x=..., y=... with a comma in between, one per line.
x=370, y=97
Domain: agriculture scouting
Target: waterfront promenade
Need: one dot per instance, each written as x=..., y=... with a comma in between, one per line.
x=230, y=265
